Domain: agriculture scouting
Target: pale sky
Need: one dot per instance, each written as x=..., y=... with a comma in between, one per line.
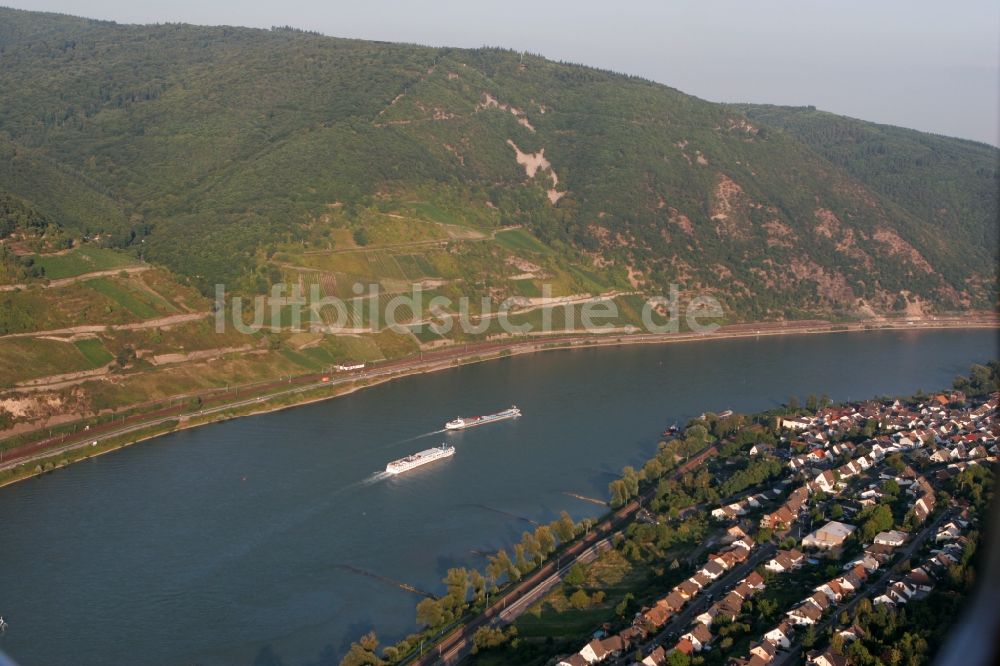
x=929, y=65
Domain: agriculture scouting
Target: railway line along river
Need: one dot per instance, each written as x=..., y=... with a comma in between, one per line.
x=275, y=536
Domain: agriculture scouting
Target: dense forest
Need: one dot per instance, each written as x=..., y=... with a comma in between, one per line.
x=206, y=148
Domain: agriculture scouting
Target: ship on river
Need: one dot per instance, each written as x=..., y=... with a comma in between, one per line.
x=463, y=422
x=418, y=459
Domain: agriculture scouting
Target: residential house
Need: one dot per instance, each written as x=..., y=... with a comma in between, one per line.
x=755, y=581
x=700, y=579
x=594, y=652
x=833, y=590
x=657, y=657
x=796, y=423
x=826, y=481
x=948, y=532
x=700, y=637
x=712, y=570
x=675, y=601
x=687, y=589
x=657, y=616
x=781, y=636
x=785, y=560
x=831, y=535
x=765, y=650
x=573, y=660
x=708, y=617
x=923, y=507
x=826, y=658
x=810, y=610
x=879, y=552
x=891, y=538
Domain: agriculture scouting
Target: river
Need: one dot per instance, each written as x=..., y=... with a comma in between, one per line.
x=227, y=544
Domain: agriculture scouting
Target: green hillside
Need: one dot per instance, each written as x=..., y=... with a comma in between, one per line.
x=944, y=184
x=235, y=155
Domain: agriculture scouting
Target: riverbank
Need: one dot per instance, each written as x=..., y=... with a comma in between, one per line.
x=309, y=389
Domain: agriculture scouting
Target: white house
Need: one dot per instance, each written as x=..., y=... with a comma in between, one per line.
x=893, y=538
x=700, y=637
x=594, y=652
x=805, y=614
x=781, y=636
x=831, y=535
x=948, y=532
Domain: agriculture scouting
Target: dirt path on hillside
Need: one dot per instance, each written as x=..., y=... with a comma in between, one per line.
x=55, y=382
x=469, y=235
x=62, y=282
x=72, y=331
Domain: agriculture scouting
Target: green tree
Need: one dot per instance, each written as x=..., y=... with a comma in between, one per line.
x=652, y=470
x=522, y=564
x=362, y=653
x=767, y=608
x=879, y=520
x=631, y=480
x=430, y=613
x=619, y=493
x=546, y=542
x=565, y=528
x=678, y=658
x=361, y=236
x=579, y=600
x=624, y=605
x=509, y=568
x=488, y=638
x=457, y=582
x=576, y=575
x=697, y=434
x=478, y=584
x=532, y=549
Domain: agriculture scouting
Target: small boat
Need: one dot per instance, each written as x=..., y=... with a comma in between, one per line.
x=3, y=625
x=671, y=431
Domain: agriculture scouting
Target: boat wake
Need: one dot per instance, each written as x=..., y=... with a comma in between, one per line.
x=375, y=478
x=413, y=439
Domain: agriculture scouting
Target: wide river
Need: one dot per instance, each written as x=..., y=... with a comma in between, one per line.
x=227, y=544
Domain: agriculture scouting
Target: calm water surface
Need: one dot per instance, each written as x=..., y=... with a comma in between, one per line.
x=226, y=543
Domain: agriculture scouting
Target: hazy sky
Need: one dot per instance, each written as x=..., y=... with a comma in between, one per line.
x=929, y=65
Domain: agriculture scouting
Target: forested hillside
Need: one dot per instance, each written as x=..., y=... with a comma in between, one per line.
x=221, y=152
